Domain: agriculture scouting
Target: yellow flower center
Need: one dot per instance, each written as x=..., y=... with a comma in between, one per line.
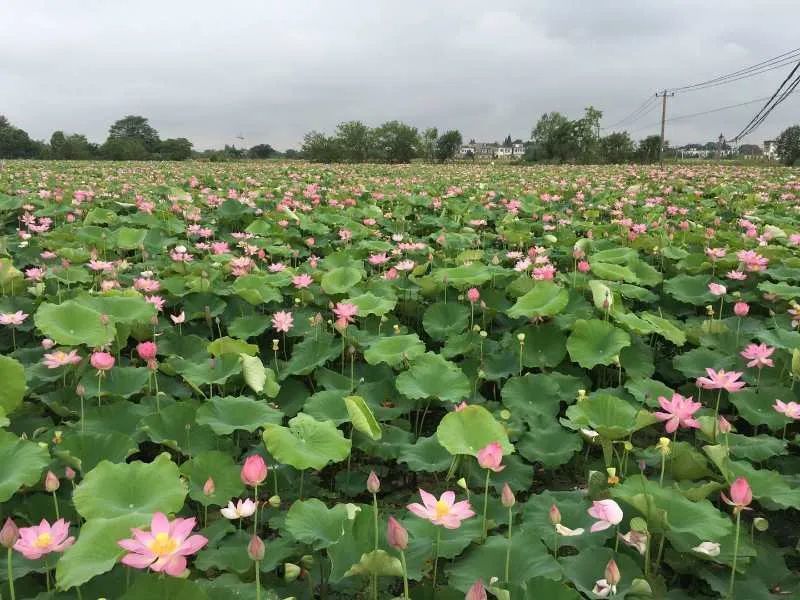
x=43, y=540
x=442, y=509
x=162, y=544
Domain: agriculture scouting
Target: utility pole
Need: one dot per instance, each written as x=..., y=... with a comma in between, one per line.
x=663, y=96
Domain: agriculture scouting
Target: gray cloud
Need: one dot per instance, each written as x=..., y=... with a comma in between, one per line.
x=273, y=70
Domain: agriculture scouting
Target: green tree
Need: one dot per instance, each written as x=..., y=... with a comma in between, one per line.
x=58, y=142
x=261, y=151
x=750, y=150
x=353, y=140
x=587, y=131
x=617, y=147
x=292, y=154
x=175, y=149
x=429, y=142
x=448, y=144
x=788, y=145
x=124, y=149
x=317, y=147
x=15, y=142
x=554, y=139
x=134, y=127
x=395, y=142
x=648, y=149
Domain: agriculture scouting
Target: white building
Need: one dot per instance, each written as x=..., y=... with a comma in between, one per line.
x=771, y=149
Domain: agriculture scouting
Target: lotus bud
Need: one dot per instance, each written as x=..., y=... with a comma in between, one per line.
x=476, y=328
x=290, y=572
x=507, y=496
x=462, y=483
x=51, y=482
x=274, y=501
x=476, y=592
x=521, y=338
x=69, y=473
x=723, y=425
x=208, y=487
x=612, y=573
x=396, y=534
x=9, y=534
x=555, y=515
x=254, y=470
x=663, y=445
x=256, y=548
x=373, y=483
x=80, y=390
x=58, y=437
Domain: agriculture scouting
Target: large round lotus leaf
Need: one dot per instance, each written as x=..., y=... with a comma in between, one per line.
x=612, y=417
x=426, y=455
x=532, y=395
x=692, y=289
x=596, y=342
x=228, y=345
x=327, y=405
x=218, y=466
x=12, y=374
x=548, y=443
x=229, y=555
x=128, y=308
x=648, y=391
x=71, y=323
x=602, y=296
x=130, y=238
x=313, y=523
x=545, y=345
x=227, y=414
x=781, y=290
x=114, y=490
x=394, y=350
x=485, y=561
x=613, y=272
x=176, y=427
x=469, y=430
x=362, y=418
x=22, y=461
x=341, y=279
x=695, y=362
x=755, y=405
x=376, y=563
x=757, y=448
x=617, y=256
x=544, y=300
x=665, y=328
x=472, y=275
x=204, y=371
x=306, y=443
x=121, y=382
x=96, y=550
x=370, y=304
x=258, y=377
x=431, y=376
x=540, y=587
x=255, y=289
x=699, y=518
x=444, y=319
x=312, y=352
x=637, y=359
x=169, y=588
x=250, y=326
x=84, y=451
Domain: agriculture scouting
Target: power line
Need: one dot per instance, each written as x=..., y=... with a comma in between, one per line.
x=771, y=104
x=739, y=78
x=636, y=114
x=762, y=67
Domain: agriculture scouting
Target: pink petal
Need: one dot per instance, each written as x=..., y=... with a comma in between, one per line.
x=600, y=526
x=159, y=524
x=429, y=500
x=448, y=497
x=137, y=561
x=419, y=510
x=175, y=566
x=192, y=544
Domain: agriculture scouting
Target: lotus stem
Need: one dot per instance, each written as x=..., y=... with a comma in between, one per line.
x=508, y=548
x=55, y=503
x=436, y=555
x=485, y=501
x=10, y=569
x=405, y=575
x=258, y=578
x=735, y=555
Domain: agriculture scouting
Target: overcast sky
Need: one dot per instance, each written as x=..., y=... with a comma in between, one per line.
x=270, y=70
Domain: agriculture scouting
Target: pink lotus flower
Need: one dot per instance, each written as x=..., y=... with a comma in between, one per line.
x=34, y=542
x=473, y=295
x=607, y=513
x=603, y=588
x=679, y=412
x=345, y=313
x=102, y=361
x=736, y=275
x=59, y=358
x=740, y=309
x=302, y=281
x=445, y=511
x=721, y=380
x=396, y=534
x=758, y=355
x=635, y=539
x=282, y=321
x=16, y=318
x=476, y=592
x=788, y=409
x=741, y=495
x=178, y=319
x=490, y=457
x=254, y=470
x=147, y=350
x=584, y=266
x=165, y=547
x=717, y=289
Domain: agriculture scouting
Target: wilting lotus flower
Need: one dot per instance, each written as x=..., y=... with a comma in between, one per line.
x=445, y=511
x=59, y=358
x=16, y=318
x=165, y=547
x=708, y=548
x=607, y=513
x=635, y=539
x=476, y=592
x=34, y=542
x=491, y=457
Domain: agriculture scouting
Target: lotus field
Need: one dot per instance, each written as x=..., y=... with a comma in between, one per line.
x=282, y=380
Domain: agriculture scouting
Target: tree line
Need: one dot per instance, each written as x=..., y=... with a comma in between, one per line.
x=129, y=138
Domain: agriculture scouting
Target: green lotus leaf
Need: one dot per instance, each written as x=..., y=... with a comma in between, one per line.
x=665, y=328
x=755, y=405
x=585, y=568
x=129, y=238
x=692, y=289
x=602, y=296
x=258, y=377
x=377, y=563
x=548, y=443
x=544, y=300
x=757, y=448
x=176, y=427
x=169, y=588
x=306, y=443
x=781, y=290
x=114, y=490
x=341, y=279
x=229, y=555
x=362, y=418
x=84, y=451
x=612, y=272
x=532, y=395
x=444, y=319
x=120, y=382
x=206, y=371
x=695, y=362
x=431, y=376
x=426, y=455
x=313, y=523
x=469, y=430
x=370, y=304
x=256, y=289
x=12, y=374
x=227, y=345
x=246, y=327
x=612, y=417
x=71, y=324
x=545, y=345
x=23, y=463
x=394, y=350
x=596, y=342
x=616, y=256
x=312, y=352
x=463, y=277
x=127, y=307
x=226, y=414
x=218, y=466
